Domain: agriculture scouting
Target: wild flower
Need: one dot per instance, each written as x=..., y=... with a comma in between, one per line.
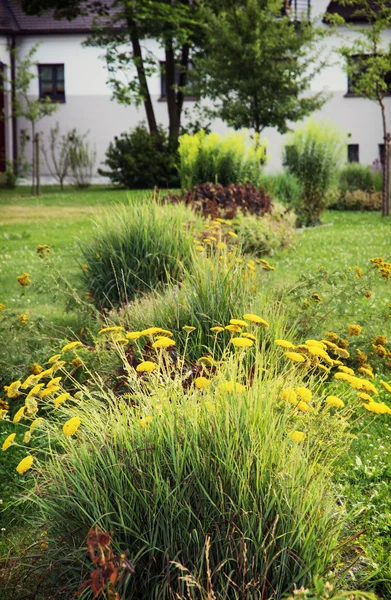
x=61, y=398
x=147, y=366
x=295, y=357
x=71, y=426
x=297, y=436
x=25, y=464
x=335, y=402
x=8, y=442
x=354, y=329
x=23, y=279
x=163, y=342
x=201, y=382
x=255, y=319
x=71, y=346
x=241, y=342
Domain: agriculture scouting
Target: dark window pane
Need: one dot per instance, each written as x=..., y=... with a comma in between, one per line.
x=353, y=153
x=51, y=82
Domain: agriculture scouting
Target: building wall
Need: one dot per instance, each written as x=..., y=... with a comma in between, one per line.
x=89, y=106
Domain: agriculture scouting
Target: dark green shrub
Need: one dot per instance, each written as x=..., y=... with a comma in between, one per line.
x=135, y=249
x=313, y=154
x=284, y=187
x=139, y=160
x=359, y=177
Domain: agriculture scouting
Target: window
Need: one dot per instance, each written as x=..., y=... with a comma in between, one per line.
x=163, y=83
x=381, y=154
x=51, y=82
x=356, y=68
x=353, y=153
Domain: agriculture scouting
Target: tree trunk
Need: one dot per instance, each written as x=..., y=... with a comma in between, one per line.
x=175, y=97
x=139, y=63
x=33, y=159
x=386, y=163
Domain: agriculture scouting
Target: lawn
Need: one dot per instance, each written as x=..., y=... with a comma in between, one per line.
x=347, y=239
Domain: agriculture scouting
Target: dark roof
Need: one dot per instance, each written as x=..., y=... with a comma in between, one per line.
x=14, y=20
x=349, y=13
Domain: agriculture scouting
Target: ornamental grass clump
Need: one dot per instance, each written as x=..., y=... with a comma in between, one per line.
x=136, y=249
x=227, y=467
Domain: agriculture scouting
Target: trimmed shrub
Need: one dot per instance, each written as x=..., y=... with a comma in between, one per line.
x=136, y=249
x=360, y=177
x=216, y=201
x=313, y=154
x=358, y=200
x=224, y=160
x=284, y=187
x=139, y=160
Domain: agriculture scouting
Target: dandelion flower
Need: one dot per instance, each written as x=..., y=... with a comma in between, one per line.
x=304, y=393
x=201, y=382
x=240, y=342
x=239, y=322
x=255, y=319
x=71, y=426
x=297, y=436
x=71, y=345
x=295, y=357
x=335, y=402
x=147, y=366
x=217, y=329
x=163, y=342
x=284, y=344
x=8, y=442
x=25, y=464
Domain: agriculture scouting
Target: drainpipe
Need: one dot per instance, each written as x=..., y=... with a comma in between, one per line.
x=13, y=99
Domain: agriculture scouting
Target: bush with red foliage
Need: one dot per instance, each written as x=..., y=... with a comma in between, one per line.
x=215, y=200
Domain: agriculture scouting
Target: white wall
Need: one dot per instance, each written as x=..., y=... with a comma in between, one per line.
x=89, y=105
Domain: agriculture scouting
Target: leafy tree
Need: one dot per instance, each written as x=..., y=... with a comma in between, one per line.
x=257, y=64
x=33, y=110
x=368, y=64
x=120, y=30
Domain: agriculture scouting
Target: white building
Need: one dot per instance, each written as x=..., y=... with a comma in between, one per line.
x=76, y=76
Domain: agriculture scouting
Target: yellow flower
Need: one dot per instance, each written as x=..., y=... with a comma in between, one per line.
x=284, y=344
x=317, y=351
x=53, y=358
x=377, y=408
x=221, y=245
x=3, y=414
x=57, y=365
x=188, y=328
x=233, y=234
x=51, y=389
x=36, y=423
x=200, y=248
x=4, y=405
x=19, y=414
x=23, y=318
x=332, y=337
x=71, y=426
x=238, y=322
x=341, y=352
x=295, y=357
x=42, y=250
x=316, y=298
x=2, y=307
x=354, y=329
x=231, y=386
x=110, y=329
x=240, y=342
x=217, y=329
x=13, y=389
x=133, y=335
x=24, y=279
x=85, y=267
x=35, y=390
x=304, y=393
x=303, y=406
x=316, y=343
x=323, y=368
x=255, y=319
x=27, y=436
x=60, y=399
x=250, y=336
x=297, y=436
x=201, y=382
x=36, y=369
x=290, y=395
x=163, y=342
x=233, y=328
x=346, y=370
x=8, y=441
x=31, y=406
x=71, y=345
x=147, y=366
x=335, y=402
x=155, y=330
x=343, y=376
x=366, y=372
x=386, y=386
x=145, y=421
x=364, y=396
x=77, y=362
x=25, y=464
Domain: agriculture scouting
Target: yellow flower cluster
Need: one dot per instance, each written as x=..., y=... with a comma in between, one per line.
x=24, y=279
x=383, y=267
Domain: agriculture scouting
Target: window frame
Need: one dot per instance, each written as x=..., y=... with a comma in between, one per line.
x=54, y=96
x=163, y=84
x=354, y=148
